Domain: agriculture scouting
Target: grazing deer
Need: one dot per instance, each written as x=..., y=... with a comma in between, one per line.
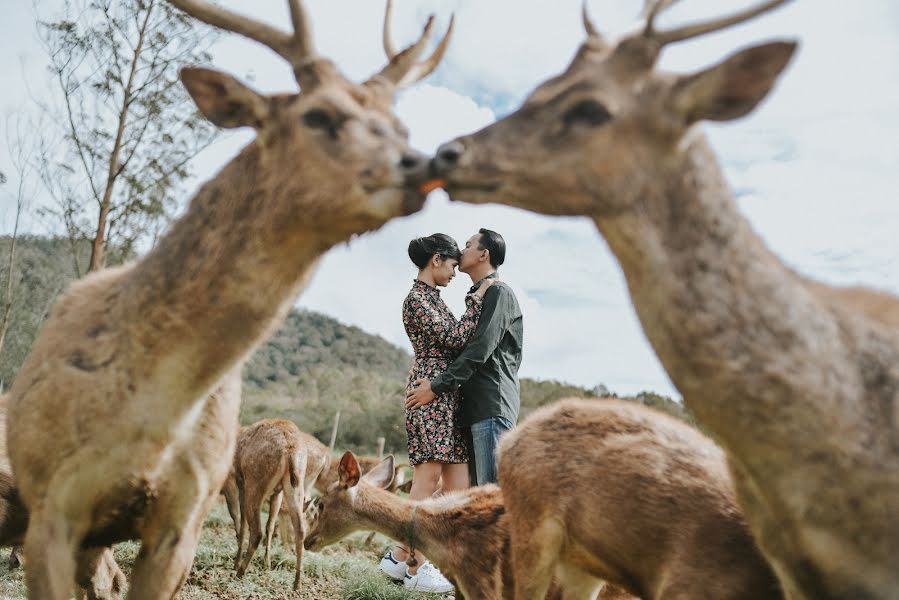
x=797, y=380
x=97, y=574
x=114, y=433
x=274, y=460
x=609, y=490
x=366, y=464
x=465, y=532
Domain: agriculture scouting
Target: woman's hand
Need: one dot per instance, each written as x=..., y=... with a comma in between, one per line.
x=485, y=285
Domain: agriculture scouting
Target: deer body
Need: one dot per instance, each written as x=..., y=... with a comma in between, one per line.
x=612, y=490
x=275, y=460
x=98, y=575
x=466, y=533
x=797, y=380
x=123, y=419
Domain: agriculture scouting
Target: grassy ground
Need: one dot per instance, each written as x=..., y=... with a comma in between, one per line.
x=345, y=571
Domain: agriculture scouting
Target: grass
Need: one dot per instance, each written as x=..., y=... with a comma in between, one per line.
x=345, y=571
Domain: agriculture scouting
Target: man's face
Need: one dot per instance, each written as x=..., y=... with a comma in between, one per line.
x=471, y=254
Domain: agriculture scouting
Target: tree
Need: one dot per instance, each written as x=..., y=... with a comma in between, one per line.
x=128, y=127
x=21, y=144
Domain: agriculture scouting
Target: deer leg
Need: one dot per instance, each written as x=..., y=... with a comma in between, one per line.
x=578, y=585
x=535, y=551
x=251, y=503
x=298, y=519
x=98, y=575
x=274, y=507
x=241, y=527
x=49, y=550
x=284, y=530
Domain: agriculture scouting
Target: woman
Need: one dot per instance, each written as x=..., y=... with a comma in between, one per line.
x=437, y=450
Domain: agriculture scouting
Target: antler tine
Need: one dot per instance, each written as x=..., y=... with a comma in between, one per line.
x=589, y=27
x=295, y=49
x=389, y=48
x=302, y=30
x=651, y=9
x=690, y=31
x=404, y=68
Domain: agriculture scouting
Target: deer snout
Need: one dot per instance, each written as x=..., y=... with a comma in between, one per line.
x=447, y=157
x=413, y=165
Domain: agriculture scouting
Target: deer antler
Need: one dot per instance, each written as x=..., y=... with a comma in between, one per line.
x=589, y=27
x=691, y=31
x=404, y=68
x=296, y=48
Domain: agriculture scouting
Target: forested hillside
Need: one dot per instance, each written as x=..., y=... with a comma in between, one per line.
x=311, y=368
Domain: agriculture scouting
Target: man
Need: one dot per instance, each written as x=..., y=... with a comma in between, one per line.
x=487, y=368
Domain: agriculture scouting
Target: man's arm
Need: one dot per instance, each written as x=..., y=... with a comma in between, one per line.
x=495, y=318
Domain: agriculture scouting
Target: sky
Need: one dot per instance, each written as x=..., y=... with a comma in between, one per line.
x=813, y=168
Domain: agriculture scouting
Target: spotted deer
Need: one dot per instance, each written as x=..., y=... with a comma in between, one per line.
x=98, y=576
x=797, y=380
x=610, y=490
x=465, y=532
x=114, y=433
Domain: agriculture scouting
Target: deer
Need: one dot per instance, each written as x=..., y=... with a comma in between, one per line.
x=98, y=579
x=399, y=483
x=610, y=490
x=123, y=418
x=274, y=460
x=464, y=532
x=796, y=379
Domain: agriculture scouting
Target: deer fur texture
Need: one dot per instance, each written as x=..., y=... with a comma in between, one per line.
x=610, y=490
x=98, y=575
x=797, y=380
x=465, y=533
x=274, y=461
x=123, y=418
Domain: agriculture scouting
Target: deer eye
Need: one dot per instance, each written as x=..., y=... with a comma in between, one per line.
x=587, y=112
x=318, y=119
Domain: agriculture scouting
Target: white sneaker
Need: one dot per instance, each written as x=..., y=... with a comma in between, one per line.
x=393, y=568
x=428, y=579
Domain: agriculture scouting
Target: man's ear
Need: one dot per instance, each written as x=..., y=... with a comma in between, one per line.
x=223, y=100
x=348, y=471
x=734, y=87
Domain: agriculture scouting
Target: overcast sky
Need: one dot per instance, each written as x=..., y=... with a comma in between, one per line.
x=814, y=167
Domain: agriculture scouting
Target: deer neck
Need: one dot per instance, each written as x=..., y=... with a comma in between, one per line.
x=222, y=278
x=398, y=519
x=713, y=300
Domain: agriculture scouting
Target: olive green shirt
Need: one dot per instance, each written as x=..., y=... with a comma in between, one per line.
x=487, y=368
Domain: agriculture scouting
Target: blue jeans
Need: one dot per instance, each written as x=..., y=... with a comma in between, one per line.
x=484, y=442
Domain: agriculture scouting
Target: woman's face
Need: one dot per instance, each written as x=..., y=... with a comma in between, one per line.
x=444, y=271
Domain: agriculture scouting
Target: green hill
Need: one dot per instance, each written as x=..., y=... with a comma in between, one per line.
x=311, y=368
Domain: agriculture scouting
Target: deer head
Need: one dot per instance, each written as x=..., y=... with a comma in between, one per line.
x=335, y=139
x=590, y=140
x=333, y=516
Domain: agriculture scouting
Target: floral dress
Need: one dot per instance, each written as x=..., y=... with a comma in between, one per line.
x=437, y=338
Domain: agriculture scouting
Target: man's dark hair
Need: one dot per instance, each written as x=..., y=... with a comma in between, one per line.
x=495, y=244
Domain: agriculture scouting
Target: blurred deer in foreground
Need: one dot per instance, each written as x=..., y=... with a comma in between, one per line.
x=797, y=380
x=465, y=532
x=97, y=574
x=113, y=432
x=609, y=490
x=274, y=461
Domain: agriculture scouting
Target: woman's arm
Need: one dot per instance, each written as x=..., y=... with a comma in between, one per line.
x=441, y=326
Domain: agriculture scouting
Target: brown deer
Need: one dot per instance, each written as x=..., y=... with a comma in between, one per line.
x=610, y=490
x=97, y=574
x=366, y=464
x=465, y=532
x=113, y=431
x=274, y=460
x=797, y=380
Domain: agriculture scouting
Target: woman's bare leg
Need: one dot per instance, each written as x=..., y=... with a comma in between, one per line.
x=425, y=479
x=455, y=477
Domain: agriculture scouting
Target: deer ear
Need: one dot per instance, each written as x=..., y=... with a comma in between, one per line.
x=382, y=475
x=734, y=87
x=348, y=471
x=223, y=100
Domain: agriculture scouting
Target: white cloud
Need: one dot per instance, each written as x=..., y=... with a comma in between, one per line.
x=815, y=164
